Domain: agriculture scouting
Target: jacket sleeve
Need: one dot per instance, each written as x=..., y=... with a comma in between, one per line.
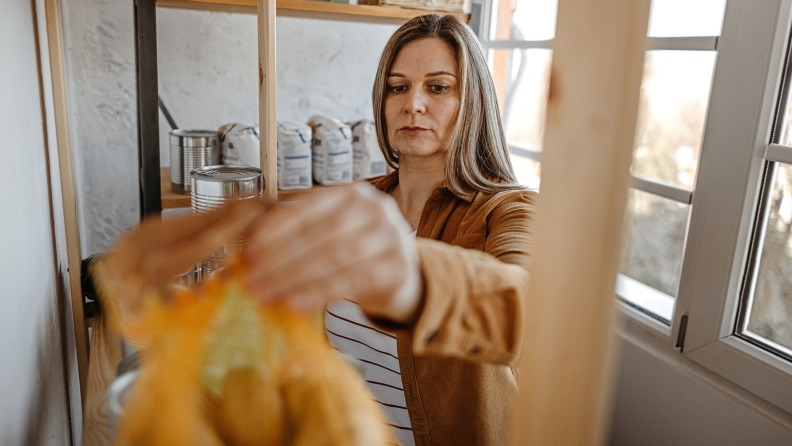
x=473, y=301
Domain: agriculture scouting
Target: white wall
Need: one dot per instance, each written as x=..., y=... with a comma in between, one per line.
x=664, y=399
x=207, y=64
x=208, y=68
x=34, y=400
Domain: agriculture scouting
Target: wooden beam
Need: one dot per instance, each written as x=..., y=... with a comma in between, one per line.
x=68, y=189
x=501, y=58
x=267, y=104
x=310, y=9
x=105, y=355
x=565, y=379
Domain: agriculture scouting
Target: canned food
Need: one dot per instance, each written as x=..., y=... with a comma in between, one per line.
x=213, y=186
x=189, y=150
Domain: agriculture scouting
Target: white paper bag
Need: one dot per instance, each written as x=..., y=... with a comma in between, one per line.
x=239, y=144
x=367, y=158
x=331, y=149
x=294, y=156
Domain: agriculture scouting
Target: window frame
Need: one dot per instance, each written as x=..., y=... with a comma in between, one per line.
x=756, y=37
x=743, y=101
x=631, y=295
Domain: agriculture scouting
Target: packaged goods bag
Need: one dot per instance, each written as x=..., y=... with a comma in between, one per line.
x=367, y=158
x=294, y=156
x=239, y=144
x=331, y=149
x=219, y=368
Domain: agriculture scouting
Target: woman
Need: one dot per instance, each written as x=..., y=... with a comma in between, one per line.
x=452, y=298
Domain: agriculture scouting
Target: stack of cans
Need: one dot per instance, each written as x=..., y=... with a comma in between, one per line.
x=189, y=150
x=189, y=278
x=214, y=186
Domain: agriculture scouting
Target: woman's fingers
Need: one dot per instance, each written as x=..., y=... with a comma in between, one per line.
x=152, y=254
x=314, y=245
x=176, y=257
x=340, y=246
x=300, y=217
x=320, y=260
x=304, y=242
x=157, y=232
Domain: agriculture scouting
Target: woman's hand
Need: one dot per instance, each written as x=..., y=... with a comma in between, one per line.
x=346, y=243
x=150, y=256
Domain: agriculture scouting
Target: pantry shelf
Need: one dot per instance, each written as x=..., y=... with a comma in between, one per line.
x=171, y=200
x=309, y=9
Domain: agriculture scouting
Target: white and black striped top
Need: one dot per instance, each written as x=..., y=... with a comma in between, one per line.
x=351, y=333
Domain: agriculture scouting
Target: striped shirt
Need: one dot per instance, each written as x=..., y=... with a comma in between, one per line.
x=351, y=333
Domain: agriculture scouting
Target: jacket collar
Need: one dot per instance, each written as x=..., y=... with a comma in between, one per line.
x=388, y=182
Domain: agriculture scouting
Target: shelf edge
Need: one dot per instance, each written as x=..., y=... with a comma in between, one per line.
x=311, y=9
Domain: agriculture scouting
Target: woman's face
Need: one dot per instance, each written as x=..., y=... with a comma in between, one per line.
x=422, y=99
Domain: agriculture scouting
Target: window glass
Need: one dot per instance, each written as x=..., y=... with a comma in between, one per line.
x=786, y=135
x=522, y=78
x=526, y=19
x=770, y=309
x=674, y=96
x=679, y=18
x=654, y=239
x=528, y=171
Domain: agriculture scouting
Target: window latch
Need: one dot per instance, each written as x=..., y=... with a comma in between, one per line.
x=680, y=342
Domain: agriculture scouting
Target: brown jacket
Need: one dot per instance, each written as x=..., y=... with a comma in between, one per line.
x=456, y=359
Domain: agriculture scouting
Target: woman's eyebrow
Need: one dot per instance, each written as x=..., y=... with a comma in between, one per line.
x=432, y=74
x=440, y=73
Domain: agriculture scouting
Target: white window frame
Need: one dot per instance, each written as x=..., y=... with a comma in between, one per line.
x=743, y=100
x=642, y=297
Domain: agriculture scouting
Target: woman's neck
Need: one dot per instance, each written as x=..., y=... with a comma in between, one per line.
x=418, y=178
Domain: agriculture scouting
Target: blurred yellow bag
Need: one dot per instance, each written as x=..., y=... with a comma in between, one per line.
x=219, y=369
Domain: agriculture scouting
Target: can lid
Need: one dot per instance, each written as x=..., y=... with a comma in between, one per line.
x=230, y=173
x=194, y=138
x=194, y=132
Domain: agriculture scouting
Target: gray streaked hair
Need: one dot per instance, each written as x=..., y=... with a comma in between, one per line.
x=478, y=157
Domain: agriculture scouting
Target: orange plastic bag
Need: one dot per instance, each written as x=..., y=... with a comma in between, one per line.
x=219, y=369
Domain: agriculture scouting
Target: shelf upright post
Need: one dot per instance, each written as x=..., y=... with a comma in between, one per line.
x=567, y=364
x=147, y=102
x=267, y=104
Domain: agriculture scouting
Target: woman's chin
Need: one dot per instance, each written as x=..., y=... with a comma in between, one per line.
x=420, y=150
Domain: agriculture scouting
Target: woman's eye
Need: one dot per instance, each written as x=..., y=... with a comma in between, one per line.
x=438, y=88
x=397, y=88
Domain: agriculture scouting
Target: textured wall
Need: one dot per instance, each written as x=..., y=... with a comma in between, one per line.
x=208, y=76
x=208, y=68
x=99, y=41
x=34, y=407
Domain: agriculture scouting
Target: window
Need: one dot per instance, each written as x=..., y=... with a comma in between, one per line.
x=518, y=35
x=678, y=70
x=707, y=253
x=730, y=312
x=764, y=316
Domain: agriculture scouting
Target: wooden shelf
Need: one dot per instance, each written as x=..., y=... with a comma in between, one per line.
x=310, y=9
x=171, y=200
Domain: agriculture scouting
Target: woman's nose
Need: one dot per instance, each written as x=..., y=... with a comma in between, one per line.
x=415, y=101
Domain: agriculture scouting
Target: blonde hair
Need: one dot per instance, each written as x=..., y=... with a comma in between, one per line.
x=478, y=158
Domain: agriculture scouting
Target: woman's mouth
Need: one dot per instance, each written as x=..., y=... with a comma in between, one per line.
x=412, y=131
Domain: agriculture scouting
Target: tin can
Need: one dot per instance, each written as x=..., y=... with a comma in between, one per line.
x=189, y=150
x=214, y=186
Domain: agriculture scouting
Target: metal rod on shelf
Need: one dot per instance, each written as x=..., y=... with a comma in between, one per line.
x=148, y=103
x=167, y=114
